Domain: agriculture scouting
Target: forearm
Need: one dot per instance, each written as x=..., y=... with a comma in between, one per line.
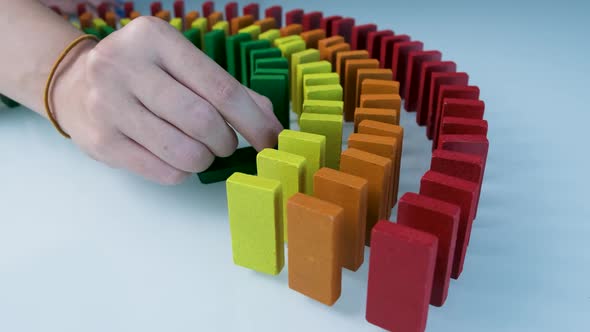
x=33, y=36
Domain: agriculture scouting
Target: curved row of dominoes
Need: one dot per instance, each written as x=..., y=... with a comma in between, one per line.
x=327, y=203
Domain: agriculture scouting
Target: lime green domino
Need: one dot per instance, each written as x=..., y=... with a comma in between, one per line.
x=283, y=40
x=98, y=23
x=290, y=48
x=323, y=106
x=329, y=125
x=176, y=23
x=304, y=69
x=255, y=221
x=307, y=56
x=321, y=79
x=201, y=24
x=77, y=25
x=221, y=25
x=323, y=92
x=253, y=30
x=270, y=35
x=124, y=21
x=312, y=147
x=287, y=168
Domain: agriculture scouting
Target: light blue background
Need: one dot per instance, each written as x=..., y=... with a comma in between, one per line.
x=87, y=248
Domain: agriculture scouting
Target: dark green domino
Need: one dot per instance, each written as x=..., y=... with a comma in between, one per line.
x=263, y=53
x=194, y=36
x=272, y=63
x=232, y=51
x=245, y=49
x=276, y=71
x=215, y=46
x=243, y=160
x=93, y=31
x=105, y=30
x=276, y=88
x=8, y=102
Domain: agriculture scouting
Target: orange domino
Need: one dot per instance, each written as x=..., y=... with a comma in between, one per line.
x=291, y=29
x=384, y=115
x=240, y=22
x=389, y=101
x=164, y=14
x=86, y=20
x=351, y=193
x=383, y=146
x=214, y=18
x=189, y=18
x=376, y=87
x=376, y=170
x=327, y=42
x=332, y=52
x=314, y=230
x=134, y=14
x=369, y=73
x=312, y=37
x=350, y=77
x=266, y=24
x=343, y=57
x=372, y=127
x=111, y=19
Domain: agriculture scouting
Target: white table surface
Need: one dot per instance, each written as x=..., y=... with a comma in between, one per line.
x=87, y=248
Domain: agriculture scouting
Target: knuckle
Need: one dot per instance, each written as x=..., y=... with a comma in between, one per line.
x=192, y=157
x=228, y=91
x=98, y=143
x=144, y=26
x=172, y=177
x=206, y=121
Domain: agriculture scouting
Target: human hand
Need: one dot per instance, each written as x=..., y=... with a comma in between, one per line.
x=69, y=6
x=147, y=100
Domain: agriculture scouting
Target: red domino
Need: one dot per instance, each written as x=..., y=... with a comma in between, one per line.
x=461, y=165
x=56, y=9
x=155, y=7
x=449, y=91
x=374, y=42
x=387, y=46
x=231, y=11
x=294, y=16
x=275, y=12
x=252, y=9
x=312, y=21
x=463, y=108
x=471, y=144
x=360, y=34
x=440, y=219
x=462, y=126
x=428, y=68
x=179, y=8
x=397, y=298
x=128, y=7
x=209, y=8
x=461, y=193
x=343, y=27
x=327, y=22
x=103, y=8
x=436, y=81
x=415, y=61
x=399, y=61
x=81, y=8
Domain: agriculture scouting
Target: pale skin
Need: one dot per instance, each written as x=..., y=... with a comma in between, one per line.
x=143, y=99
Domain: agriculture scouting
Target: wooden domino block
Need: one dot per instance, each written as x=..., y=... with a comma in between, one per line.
x=350, y=78
x=189, y=18
x=326, y=24
x=231, y=11
x=448, y=91
x=215, y=46
x=462, y=126
x=384, y=146
x=329, y=125
x=194, y=36
x=274, y=63
x=86, y=20
x=397, y=298
x=252, y=9
x=124, y=21
x=255, y=220
x=471, y=144
x=275, y=88
x=290, y=48
x=246, y=48
x=312, y=21
x=351, y=193
x=81, y=8
x=343, y=57
x=379, y=87
x=222, y=26
x=428, y=68
x=253, y=30
x=311, y=37
x=302, y=69
x=291, y=30
x=286, y=39
x=111, y=19
x=440, y=219
x=178, y=8
x=385, y=115
x=307, y=56
x=323, y=44
x=232, y=49
x=243, y=160
x=322, y=92
x=294, y=16
x=214, y=18
x=343, y=27
x=134, y=14
x=98, y=23
x=463, y=108
x=314, y=248
x=208, y=8
x=331, y=52
x=437, y=80
x=387, y=46
x=285, y=101
x=323, y=106
x=275, y=12
x=164, y=15
x=375, y=169
x=177, y=24
x=369, y=73
x=458, y=192
x=321, y=79
x=270, y=35
x=310, y=146
x=202, y=25
x=374, y=39
x=415, y=61
x=238, y=23
x=155, y=7
x=372, y=127
x=128, y=7
x=266, y=24
x=389, y=101
x=399, y=64
x=263, y=53
x=359, y=36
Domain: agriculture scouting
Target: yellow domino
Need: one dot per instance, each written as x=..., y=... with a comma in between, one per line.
x=287, y=39
x=287, y=49
x=221, y=25
x=201, y=24
x=312, y=147
x=323, y=92
x=323, y=106
x=270, y=35
x=302, y=70
x=256, y=222
x=329, y=125
x=176, y=23
x=124, y=21
x=285, y=167
x=321, y=79
x=99, y=22
x=253, y=30
x=307, y=56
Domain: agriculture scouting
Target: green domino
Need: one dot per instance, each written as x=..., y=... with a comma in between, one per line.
x=194, y=36
x=253, y=30
x=323, y=106
x=263, y=53
x=8, y=102
x=329, y=125
x=242, y=160
x=321, y=79
x=307, y=56
x=274, y=63
x=287, y=39
x=274, y=87
x=254, y=207
x=281, y=72
x=202, y=24
x=215, y=46
x=304, y=69
x=245, y=49
x=323, y=92
x=291, y=48
x=223, y=26
x=93, y=31
x=289, y=169
x=232, y=49
x=270, y=35
x=312, y=147
x=105, y=30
